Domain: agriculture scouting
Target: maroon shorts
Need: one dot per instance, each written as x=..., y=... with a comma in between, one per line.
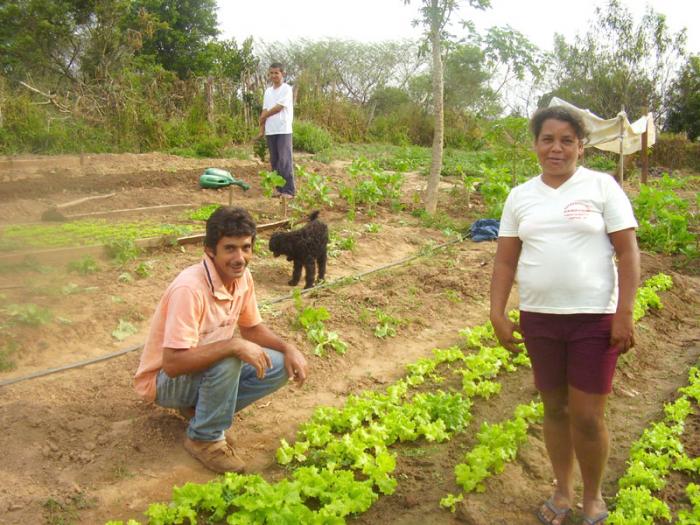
x=571, y=349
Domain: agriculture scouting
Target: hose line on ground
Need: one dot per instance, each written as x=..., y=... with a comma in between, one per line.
x=340, y=280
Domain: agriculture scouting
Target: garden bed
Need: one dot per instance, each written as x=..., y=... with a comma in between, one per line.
x=80, y=447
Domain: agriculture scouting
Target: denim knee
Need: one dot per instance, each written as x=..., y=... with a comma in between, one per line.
x=226, y=370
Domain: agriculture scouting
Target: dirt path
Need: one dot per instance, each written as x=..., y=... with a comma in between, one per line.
x=80, y=447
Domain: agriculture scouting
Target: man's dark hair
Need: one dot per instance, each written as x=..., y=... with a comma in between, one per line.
x=277, y=65
x=558, y=113
x=227, y=221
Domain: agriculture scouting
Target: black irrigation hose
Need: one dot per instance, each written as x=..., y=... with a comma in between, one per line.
x=138, y=346
x=85, y=362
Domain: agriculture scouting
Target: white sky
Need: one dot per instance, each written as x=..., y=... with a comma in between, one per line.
x=377, y=20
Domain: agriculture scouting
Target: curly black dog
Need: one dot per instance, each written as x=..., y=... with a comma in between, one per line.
x=306, y=247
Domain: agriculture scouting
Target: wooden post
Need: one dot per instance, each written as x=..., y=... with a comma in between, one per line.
x=645, y=154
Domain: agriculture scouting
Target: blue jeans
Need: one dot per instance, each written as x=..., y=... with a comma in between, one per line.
x=280, y=147
x=219, y=392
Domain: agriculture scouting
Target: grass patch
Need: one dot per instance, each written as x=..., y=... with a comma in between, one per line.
x=7, y=353
x=84, y=233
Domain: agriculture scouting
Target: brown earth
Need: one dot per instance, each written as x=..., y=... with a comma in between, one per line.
x=80, y=447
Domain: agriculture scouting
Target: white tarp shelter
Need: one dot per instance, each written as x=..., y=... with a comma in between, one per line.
x=607, y=134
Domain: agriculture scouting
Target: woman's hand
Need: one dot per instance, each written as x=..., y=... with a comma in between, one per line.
x=505, y=333
x=622, y=332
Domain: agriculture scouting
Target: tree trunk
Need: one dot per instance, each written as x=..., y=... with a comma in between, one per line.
x=431, y=194
x=210, y=99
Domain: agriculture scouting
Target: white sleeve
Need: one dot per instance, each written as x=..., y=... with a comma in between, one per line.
x=287, y=98
x=617, y=213
x=508, y=226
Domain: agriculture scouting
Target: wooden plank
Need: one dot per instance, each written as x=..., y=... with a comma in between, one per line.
x=81, y=200
x=198, y=237
x=126, y=210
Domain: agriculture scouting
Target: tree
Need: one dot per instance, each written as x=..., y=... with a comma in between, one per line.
x=435, y=17
x=632, y=66
x=511, y=60
x=179, y=34
x=684, y=100
x=42, y=39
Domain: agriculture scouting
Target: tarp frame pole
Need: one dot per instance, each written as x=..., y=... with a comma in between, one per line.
x=645, y=147
x=621, y=163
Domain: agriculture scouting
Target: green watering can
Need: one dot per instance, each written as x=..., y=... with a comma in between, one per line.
x=218, y=178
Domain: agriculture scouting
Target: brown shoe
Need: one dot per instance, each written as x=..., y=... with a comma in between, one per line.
x=215, y=455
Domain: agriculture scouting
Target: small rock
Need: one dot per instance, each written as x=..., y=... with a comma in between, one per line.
x=411, y=501
x=53, y=446
x=472, y=513
x=15, y=506
x=86, y=457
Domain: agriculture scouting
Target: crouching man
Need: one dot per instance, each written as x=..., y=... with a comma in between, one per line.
x=192, y=361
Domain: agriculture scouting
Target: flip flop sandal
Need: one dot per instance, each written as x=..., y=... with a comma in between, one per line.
x=596, y=520
x=560, y=514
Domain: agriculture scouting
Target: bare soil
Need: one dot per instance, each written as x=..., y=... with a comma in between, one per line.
x=79, y=446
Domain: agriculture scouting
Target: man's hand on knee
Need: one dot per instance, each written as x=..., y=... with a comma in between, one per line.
x=295, y=364
x=254, y=355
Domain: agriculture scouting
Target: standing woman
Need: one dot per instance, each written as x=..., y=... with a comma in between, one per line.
x=560, y=233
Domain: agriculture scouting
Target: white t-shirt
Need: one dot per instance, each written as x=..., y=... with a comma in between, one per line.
x=279, y=123
x=566, y=264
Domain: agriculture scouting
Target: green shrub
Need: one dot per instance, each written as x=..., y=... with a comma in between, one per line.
x=600, y=162
x=84, y=266
x=209, y=146
x=665, y=224
x=310, y=138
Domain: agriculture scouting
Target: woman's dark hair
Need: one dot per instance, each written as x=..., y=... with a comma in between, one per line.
x=558, y=113
x=277, y=65
x=227, y=221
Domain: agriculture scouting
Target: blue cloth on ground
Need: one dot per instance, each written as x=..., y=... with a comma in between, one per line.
x=484, y=230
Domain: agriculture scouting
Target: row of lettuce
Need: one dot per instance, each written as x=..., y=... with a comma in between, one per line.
x=342, y=461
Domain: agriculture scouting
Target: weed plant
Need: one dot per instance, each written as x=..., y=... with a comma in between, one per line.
x=84, y=266
x=313, y=191
x=270, y=181
x=338, y=243
x=369, y=185
x=7, y=352
x=124, y=330
x=386, y=324
x=122, y=251
x=311, y=320
x=28, y=314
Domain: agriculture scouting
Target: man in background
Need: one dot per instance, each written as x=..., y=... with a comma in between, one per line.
x=276, y=119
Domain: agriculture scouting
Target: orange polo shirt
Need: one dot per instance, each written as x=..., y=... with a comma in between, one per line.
x=195, y=310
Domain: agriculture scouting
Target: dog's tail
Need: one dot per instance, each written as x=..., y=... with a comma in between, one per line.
x=314, y=215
